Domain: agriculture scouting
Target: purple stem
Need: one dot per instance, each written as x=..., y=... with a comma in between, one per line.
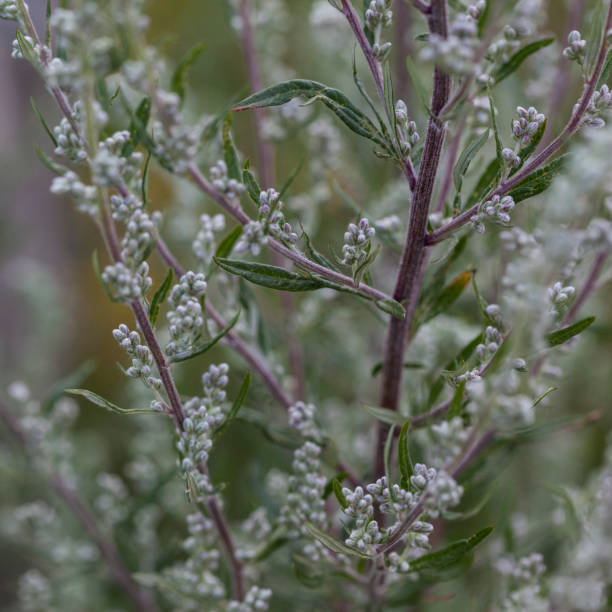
x=412, y=265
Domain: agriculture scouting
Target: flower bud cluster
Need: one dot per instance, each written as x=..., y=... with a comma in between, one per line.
x=304, y=500
x=272, y=219
x=123, y=208
x=186, y=317
x=195, y=577
x=492, y=341
x=443, y=493
x=301, y=417
x=142, y=359
x=600, y=103
x=496, y=209
x=110, y=167
x=379, y=15
x=357, y=243
x=230, y=188
x=576, y=47
x=8, y=10
x=126, y=284
x=256, y=599
x=560, y=296
x=270, y=222
x=204, y=244
x=366, y=532
x=406, y=130
x=394, y=500
x=112, y=503
x=510, y=158
x=450, y=438
x=86, y=196
x=500, y=50
x=457, y=52
x=527, y=124
x=177, y=144
x=139, y=237
x=525, y=576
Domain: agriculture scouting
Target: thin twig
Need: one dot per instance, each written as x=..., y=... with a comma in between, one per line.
x=237, y=212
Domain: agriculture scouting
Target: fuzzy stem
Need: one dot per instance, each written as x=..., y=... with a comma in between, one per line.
x=119, y=572
x=412, y=265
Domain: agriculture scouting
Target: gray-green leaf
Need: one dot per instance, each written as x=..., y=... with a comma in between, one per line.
x=563, y=335
x=98, y=400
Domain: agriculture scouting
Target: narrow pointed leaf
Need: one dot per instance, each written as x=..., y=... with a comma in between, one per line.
x=332, y=543
x=51, y=164
x=385, y=415
x=177, y=83
x=466, y=157
x=450, y=555
x=506, y=69
x=395, y=309
x=160, y=296
x=538, y=181
x=563, y=335
x=337, y=489
x=404, y=456
x=238, y=402
x=43, y=122
x=229, y=151
x=268, y=276
x=98, y=400
x=227, y=244
x=334, y=99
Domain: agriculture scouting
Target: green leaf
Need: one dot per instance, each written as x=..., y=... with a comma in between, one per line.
x=506, y=69
x=563, y=335
x=450, y=555
x=329, y=487
x=26, y=49
x=229, y=151
x=337, y=489
x=395, y=309
x=96, y=399
x=177, y=83
x=138, y=127
x=48, y=12
x=160, y=296
x=488, y=179
x=334, y=99
x=498, y=142
x=538, y=181
x=387, y=452
x=58, y=389
x=421, y=90
x=457, y=401
x=391, y=417
x=332, y=543
x=200, y=350
x=408, y=365
x=605, y=72
x=144, y=184
x=403, y=455
x=227, y=244
x=464, y=354
x=291, y=178
x=466, y=157
x=51, y=164
x=597, y=19
x=252, y=186
x=546, y=393
x=43, y=122
x=233, y=413
x=268, y=276
x=314, y=255
x=446, y=298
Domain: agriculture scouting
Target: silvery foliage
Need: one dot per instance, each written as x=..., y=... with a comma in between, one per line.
x=371, y=532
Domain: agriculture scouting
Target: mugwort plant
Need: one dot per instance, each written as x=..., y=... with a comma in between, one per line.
x=389, y=336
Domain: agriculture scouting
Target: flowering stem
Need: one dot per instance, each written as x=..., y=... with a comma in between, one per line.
x=120, y=573
x=412, y=265
x=571, y=127
x=275, y=245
